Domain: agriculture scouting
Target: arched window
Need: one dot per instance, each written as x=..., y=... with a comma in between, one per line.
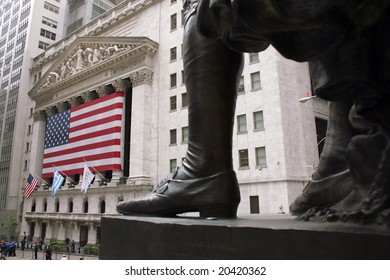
x=85, y=206
x=57, y=206
x=70, y=206
x=102, y=206
x=44, y=207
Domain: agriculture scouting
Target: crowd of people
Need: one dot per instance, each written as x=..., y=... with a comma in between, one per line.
x=7, y=249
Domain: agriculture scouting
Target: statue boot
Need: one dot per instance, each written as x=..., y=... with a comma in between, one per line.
x=332, y=181
x=206, y=182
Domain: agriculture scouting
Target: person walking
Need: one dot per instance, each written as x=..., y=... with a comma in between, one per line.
x=48, y=253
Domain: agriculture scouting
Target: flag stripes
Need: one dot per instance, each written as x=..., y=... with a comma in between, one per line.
x=30, y=186
x=90, y=132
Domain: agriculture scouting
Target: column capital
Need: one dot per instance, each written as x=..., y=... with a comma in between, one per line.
x=39, y=116
x=50, y=111
x=87, y=96
x=102, y=90
x=144, y=76
x=120, y=84
x=75, y=101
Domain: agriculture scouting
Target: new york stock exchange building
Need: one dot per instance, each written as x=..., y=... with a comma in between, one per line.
x=111, y=96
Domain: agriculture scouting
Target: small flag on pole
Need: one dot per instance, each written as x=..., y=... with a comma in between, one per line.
x=31, y=185
x=57, y=182
x=87, y=178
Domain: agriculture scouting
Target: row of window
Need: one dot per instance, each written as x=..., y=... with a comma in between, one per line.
x=243, y=159
x=51, y=7
x=48, y=34
x=255, y=81
x=258, y=122
x=85, y=208
x=173, y=135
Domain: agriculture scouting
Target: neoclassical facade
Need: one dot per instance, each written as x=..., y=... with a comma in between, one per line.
x=135, y=48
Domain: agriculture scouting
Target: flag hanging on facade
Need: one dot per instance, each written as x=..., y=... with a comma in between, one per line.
x=88, y=132
x=31, y=185
x=58, y=179
x=87, y=178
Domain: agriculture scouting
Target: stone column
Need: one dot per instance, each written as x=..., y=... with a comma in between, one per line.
x=92, y=233
x=38, y=142
x=49, y=232
x=98, y=179
x=61, y=231
x=140, y=124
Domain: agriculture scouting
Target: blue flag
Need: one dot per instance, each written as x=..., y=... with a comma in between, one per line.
x=57, y=182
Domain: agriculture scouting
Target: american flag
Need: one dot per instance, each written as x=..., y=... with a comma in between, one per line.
x=89, y=132
x=31, y=184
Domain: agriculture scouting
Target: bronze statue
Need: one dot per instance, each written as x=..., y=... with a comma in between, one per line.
x=346, y=44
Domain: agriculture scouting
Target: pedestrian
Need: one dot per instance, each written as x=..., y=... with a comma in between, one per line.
x=48, y=253
x=72, y=246
x=36, y=250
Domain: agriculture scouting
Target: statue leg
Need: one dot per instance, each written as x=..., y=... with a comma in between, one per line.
x=332, y=181
x=206, y=182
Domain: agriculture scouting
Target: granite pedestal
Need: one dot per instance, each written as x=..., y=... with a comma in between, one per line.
x=263, y=237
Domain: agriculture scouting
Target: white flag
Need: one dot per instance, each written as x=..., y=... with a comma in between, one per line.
x=87, y=178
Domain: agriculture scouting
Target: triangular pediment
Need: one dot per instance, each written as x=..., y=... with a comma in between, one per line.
x=87, y=55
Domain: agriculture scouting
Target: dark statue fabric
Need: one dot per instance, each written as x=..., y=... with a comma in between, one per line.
x=346, y=46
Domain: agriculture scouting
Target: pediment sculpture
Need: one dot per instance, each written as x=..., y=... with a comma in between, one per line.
x=84, y=57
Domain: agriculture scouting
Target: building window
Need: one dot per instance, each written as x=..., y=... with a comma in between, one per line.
x=103, y=207
x=45, y=205
x=182, y=77
x=243, y=158
x=173, y=80
x=173, y=103
x=43, y=46
x=29, y=129
x=241, y=124
x=253, y=57
x=25, y=165
x=173, y=54
x=173, y=137
x=184, y=100
x=261, y=159
x=27, y=146
x=258, y=120
x=85, y=206
x=321, y=127
x=57, y=206
x=241, y=86
x=173, y=1
x=49, y=22
x=70, y=206
x=255, y=81
x=173, y=22
x=51, y=7
x=184, y=134
x=48, y=34
x=254, y=204
x=33, y=204
x=172, y=165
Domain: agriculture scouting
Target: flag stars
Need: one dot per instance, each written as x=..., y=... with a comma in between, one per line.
x=57, y=129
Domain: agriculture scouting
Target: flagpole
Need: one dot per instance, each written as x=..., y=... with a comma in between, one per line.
x=95, y=170
x=64, y=174
x=39, y=177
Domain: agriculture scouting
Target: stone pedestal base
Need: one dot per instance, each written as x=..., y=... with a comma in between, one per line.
x=271, y=237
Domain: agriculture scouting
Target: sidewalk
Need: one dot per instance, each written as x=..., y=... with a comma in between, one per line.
x=28, y=254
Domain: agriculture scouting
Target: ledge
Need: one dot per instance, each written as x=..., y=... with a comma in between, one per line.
x=267, y=237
